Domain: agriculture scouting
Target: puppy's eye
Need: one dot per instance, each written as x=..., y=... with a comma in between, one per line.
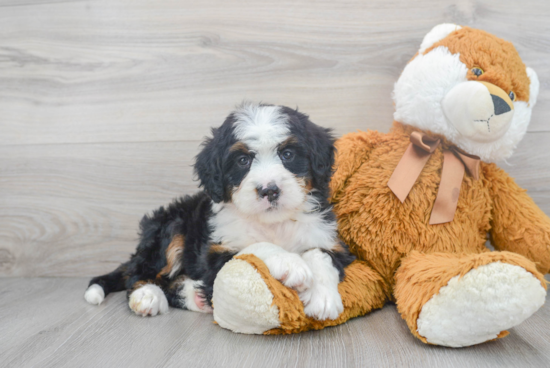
x=244, y=160
x=477, y=71
x=512, y=95
x=287, y=155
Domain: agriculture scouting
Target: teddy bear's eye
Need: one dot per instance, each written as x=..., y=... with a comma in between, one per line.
x=512, y=95
x=477, y=71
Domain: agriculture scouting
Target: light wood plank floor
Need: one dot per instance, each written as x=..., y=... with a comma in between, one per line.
x=45, y=322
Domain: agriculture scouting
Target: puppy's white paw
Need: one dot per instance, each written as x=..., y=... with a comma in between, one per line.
x=193, y=300
x=94, y=294
x=291, y=270
x=322, y=303
x=148, y=300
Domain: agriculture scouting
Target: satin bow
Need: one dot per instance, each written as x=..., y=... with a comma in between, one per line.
x=454, y=164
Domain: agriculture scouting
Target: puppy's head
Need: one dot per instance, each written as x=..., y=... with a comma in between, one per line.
x=269, y=161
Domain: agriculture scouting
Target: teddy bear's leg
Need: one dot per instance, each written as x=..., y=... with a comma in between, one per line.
x=247, y=299
x=461, y=300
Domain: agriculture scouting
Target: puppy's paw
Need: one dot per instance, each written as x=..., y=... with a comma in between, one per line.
x=148, y=300
x=194, y=300
x=94, y=294
x=291, y=270
x=322, y=303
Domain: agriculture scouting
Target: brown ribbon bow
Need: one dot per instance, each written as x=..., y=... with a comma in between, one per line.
x=454, y=162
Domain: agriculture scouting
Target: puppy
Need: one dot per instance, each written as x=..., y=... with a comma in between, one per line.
x=265, y=174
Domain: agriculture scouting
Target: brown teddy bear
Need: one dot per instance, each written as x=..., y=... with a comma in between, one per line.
x=415, y=206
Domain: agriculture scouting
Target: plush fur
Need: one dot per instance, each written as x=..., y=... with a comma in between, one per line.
x=421, y=280
x=447, y=64
x=265, y=173
x=443, y=268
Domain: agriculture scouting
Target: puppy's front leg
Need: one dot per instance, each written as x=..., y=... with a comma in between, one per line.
x=289, y=268
x=322, y=300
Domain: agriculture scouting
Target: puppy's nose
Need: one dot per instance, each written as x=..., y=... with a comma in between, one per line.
x=271, y=191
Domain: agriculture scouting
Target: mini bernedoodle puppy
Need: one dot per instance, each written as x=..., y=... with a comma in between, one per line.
x=265, y=174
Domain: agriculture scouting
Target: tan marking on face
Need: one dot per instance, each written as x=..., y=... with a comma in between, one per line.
x=287, y=142
x=306, y=184
x=498, y=59
x=239, y=146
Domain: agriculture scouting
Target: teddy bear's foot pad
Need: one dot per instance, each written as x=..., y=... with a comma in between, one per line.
x=478, y=306
x=242, y=301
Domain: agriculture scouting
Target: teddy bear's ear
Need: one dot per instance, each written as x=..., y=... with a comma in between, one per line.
x=437, y=33
x=533, y=86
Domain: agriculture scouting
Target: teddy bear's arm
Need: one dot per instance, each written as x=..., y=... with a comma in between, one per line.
x=351, y=151
x=518, y=224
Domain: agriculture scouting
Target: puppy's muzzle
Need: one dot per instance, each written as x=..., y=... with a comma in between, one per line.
x=271, y=191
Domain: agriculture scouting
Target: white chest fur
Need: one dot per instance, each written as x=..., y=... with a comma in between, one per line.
x=305, y=230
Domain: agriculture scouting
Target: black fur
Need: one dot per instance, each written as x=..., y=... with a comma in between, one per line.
x=211, y=161
x=341, y=259
x=318, y=143
x=187, y=216
x=219, y=171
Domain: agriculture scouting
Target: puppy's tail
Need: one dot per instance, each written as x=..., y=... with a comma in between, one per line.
x=100, y=286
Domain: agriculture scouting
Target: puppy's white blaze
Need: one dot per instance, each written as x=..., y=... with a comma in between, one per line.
x=260, y=127
x=322, y=300
x=94, y=294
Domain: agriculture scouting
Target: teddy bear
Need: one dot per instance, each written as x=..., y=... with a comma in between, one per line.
x=417, y=204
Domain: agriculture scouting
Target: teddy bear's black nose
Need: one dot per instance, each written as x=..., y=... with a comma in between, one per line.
x=501, y=106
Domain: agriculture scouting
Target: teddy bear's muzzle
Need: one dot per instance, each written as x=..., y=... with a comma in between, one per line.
x=479, y=111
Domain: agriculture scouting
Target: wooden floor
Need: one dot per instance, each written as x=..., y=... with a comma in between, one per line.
x=103, y=105
x=45, y=322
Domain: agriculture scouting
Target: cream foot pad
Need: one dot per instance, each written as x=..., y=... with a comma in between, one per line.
x=481, y=304
x=242, y=301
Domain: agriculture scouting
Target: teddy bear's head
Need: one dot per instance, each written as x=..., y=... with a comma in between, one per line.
x=470, y=87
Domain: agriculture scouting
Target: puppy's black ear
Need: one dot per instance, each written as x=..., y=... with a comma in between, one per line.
x=320, y=142
x=209, y=163
x=320, y=149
